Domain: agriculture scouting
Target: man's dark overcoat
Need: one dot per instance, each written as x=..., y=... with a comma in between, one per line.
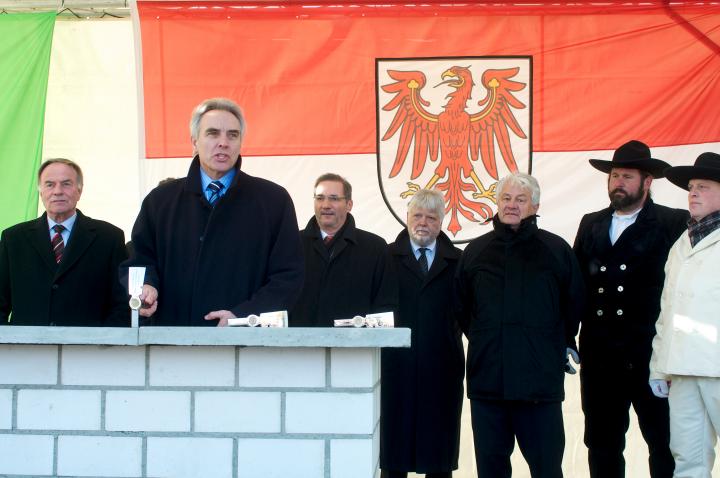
x=422, y=387
x=83, y=290
x=242, y=255
x=352, y=277
x=525, y=294
x=624, y=282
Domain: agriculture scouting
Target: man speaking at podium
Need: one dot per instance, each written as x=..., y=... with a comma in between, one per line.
x=218, y=243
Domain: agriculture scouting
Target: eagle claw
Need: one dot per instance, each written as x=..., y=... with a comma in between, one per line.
x=488, y=193
x=412, y=189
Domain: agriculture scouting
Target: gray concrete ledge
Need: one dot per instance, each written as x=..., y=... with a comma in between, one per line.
x=19, y=334
x=274, y=337
x=243, y=336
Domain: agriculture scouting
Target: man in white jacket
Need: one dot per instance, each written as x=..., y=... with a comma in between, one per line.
x=686, y=349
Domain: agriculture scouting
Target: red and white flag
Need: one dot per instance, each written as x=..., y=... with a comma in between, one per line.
x=315, y=82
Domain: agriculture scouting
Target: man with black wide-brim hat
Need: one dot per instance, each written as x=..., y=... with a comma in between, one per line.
x=686, y=349
x=622, y=250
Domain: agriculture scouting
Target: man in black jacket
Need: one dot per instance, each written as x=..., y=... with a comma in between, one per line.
x=523, y=290
x=422, y=387
x=622, y=251
x=218, y=243
x=62, y=268
x=347, y=271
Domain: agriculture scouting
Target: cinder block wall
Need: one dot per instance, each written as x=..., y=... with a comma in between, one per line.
x=188, y=411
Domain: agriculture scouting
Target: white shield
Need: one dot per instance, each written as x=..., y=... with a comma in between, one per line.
x=465, y=122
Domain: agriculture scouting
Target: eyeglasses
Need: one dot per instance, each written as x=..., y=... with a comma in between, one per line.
x=333, y=199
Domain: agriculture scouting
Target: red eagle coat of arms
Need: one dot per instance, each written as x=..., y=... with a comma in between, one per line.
x=480, y=110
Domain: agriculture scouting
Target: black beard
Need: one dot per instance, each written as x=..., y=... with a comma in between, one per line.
x=621, y=202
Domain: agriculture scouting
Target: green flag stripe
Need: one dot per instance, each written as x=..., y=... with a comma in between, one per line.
x=26, y=40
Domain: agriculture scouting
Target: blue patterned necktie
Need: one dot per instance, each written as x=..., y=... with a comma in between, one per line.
x=215, y=188
x=422, y=260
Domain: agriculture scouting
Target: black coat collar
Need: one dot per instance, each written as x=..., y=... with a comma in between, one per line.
x=346, y=235
x=444, y=252
x=193, y=182
x=83, y=234
x=527, y=228
x=348, y=231
x=645, y=221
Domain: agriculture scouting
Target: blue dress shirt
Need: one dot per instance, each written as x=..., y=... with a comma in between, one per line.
x=67, y=223
x=225, y=180
x=429, y=253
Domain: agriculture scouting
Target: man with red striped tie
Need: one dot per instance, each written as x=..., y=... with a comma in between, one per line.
x=62, y=268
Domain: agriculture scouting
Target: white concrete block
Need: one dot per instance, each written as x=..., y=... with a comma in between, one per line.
x=58, y=409
x=270, y=458
x=31, y=364
x=192, y=366
x=99, y=456
x=354, y=367
x=283, y=367
x=190, y=457
x=307, y=412
x=352, y=458
x=245, y=412
x=159, y=411
x=28, y=455
x=102, y=365
x=5, y=409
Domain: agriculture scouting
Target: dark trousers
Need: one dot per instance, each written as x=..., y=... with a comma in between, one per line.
x=538, y=427
x=403, y=474
x=606, y=399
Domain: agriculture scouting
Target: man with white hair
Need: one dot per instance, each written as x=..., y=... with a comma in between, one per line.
x=685, y=362
x=218, y=243
x=422, y=386
x=523, y=290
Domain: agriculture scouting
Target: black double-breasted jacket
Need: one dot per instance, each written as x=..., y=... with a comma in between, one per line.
x=624, y=282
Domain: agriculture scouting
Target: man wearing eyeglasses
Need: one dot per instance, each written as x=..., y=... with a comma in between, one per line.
x=347, y=270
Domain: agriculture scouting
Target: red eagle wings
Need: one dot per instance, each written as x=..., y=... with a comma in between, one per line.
x=458, y=136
